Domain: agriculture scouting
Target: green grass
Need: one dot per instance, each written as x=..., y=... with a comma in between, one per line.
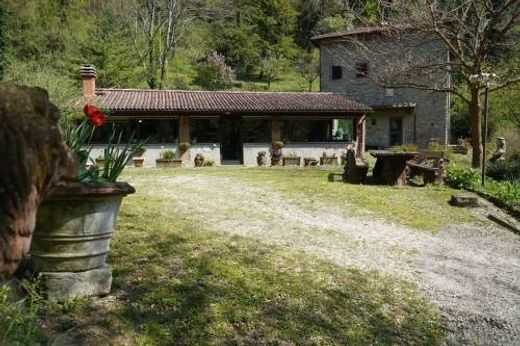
x=177, y=282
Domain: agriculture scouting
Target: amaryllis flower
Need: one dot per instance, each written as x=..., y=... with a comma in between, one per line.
x=94, y=115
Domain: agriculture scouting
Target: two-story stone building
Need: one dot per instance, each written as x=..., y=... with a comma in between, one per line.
x=362, y=63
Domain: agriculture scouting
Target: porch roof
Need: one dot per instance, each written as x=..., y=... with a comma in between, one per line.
x=143, y=102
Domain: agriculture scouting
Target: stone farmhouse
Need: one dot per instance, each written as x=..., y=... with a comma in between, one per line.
x=352, y=63
x=231, y=127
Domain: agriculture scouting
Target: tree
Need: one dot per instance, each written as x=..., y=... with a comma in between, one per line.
x=480, y=36
x=159, y=25
x=272, y=67
x=213, y=73
x=308, y=66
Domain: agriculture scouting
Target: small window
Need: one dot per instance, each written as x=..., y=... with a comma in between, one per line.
x=361, y=69
x=337, y=72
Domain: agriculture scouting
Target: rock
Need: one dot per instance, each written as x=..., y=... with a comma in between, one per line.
x=465, y=201
x=66, y=285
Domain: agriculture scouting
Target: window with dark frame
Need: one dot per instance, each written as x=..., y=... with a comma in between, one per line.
x=256, y=130
x=155, y=131
x=205, y=130
x=361, y=69
x=307, y=130
x=337, y=72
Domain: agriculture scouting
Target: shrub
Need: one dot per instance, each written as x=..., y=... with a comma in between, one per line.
x=461, y=178
x=262, y=153
x=184, y=146
x=208, y=163
x=277, y=144
x=168, y=155
x=213, y=73
x=404, y=147
x=506, y=170
x=439, y=147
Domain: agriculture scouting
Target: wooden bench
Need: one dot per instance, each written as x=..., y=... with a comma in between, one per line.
x=429, y=165
x=356, y=168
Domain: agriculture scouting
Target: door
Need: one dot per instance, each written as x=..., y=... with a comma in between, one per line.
x=396, y=131
x=231, y=140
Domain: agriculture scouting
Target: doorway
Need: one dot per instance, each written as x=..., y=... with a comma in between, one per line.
x=396, y=131
x=231, y=140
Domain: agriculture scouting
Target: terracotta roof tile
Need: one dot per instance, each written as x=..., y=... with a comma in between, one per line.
x=364, y=30
x=131, y=100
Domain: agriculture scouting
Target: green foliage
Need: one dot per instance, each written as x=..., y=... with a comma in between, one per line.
x=208, y=163
x=262, y=153
x=168, y=155
x=506, y=170
x=272, y=67
x=506, y=191
x=213, y=73
x=461, y=178
x=407, y=147
x=184, y=146
x=18, y=319
x=278, y=144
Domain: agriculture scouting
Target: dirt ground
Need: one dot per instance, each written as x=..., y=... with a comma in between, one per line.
x=471, y=272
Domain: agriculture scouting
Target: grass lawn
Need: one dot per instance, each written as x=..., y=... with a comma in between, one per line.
x=179, y=280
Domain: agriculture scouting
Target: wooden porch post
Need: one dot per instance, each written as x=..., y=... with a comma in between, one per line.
x=184, y=135
x=276, y=129
x=360, y=138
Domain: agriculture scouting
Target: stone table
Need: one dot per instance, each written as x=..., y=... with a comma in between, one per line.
x=390, y=168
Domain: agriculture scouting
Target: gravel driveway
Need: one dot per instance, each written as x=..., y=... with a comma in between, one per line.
x=473, y=273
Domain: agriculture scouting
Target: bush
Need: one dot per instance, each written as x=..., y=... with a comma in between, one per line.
x=461, y=178
x=214, y=74
x=507, y=191
x=184, y=146
x=168, y=155
x=507, y=170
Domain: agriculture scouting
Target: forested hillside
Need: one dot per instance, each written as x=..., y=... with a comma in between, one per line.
x=187, y=44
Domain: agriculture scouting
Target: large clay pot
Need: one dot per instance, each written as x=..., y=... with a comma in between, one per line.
x=74, y=226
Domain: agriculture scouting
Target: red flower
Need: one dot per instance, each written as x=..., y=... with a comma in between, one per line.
x=94, y=115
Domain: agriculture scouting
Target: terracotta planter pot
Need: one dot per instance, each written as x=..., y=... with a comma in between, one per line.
x=199, y=160
x=138, y=161
x=291, y=161
x=162, y=163
x=261, y=160
x=310, y=162
x=328, y=161
x=74, y=226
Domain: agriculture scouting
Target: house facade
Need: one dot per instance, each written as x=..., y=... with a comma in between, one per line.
x=364, y=63
x=228, y=127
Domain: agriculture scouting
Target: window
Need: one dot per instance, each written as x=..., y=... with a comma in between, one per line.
x=389, y=92
x=307, y=130
x=256, y=130
x=155, y=131
x=361, y=69
x=337, y=72
x=205, y=130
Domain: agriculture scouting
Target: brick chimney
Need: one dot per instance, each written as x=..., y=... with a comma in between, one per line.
x=88, y=74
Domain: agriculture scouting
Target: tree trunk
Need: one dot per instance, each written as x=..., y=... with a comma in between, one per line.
x=475, y=110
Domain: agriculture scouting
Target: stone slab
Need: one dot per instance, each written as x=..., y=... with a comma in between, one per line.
x=465, y=201
x=61, y=286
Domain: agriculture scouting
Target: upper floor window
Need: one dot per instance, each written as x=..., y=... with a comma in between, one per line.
x=337, y=72
x=361, y=69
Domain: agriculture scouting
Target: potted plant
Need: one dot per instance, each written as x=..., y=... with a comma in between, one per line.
x=138, y=158
x=343, y=158
x=261, y=158
x=328, y=160
x=100, y=161
x=310, y=161
x=75, y=222
x=183, y=147
x=291, y=159
x=199, y=160
x=167, y=159
x=276, y=153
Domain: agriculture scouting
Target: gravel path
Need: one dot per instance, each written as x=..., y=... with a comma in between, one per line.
x=472, y=273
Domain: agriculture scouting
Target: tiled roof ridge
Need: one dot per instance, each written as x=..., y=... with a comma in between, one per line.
x=369, y=29
x=220, y=91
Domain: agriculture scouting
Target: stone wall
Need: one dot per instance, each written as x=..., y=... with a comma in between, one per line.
x=432, y=109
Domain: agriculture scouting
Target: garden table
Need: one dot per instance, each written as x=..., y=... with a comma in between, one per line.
x=390, y=166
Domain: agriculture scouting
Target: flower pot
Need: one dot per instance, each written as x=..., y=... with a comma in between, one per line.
x=138, y=161
x=310, y=161
x=328, y=161
x=74, y=225
x=199, y=160
x=291, y=161
x=261, y=160
x=162, y=163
